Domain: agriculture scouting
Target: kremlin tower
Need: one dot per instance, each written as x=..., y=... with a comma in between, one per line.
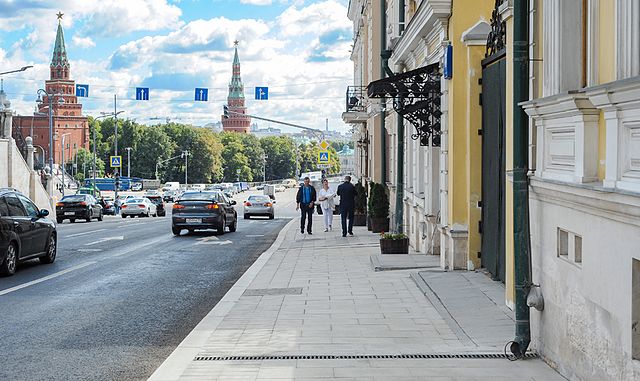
x=235, y=101
x=67, y=112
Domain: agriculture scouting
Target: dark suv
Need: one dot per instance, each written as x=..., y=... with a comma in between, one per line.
x=159, y=202
x=25, y=233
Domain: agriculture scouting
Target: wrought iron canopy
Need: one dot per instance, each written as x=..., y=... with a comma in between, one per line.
x=416, y=97
x=497, y=38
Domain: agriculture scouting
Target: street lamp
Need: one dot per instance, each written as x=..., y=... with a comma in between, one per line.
x=164, y=161
x=264, y=168
x=50, y=99
x=64, y=180
x=185, y=154
x=17, y=70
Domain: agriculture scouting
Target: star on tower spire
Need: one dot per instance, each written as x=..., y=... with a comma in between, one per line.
x=60, y=14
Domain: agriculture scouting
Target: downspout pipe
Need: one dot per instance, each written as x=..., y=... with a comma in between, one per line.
x=400, y=151
x=383, y=114
x=522, y=245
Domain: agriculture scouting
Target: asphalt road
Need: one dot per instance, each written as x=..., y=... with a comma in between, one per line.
x=121, y=295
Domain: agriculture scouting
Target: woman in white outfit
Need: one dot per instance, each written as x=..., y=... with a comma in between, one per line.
x=327, y=204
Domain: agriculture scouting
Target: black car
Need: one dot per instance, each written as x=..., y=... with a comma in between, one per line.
x=108, y=207
x=203, y=210
x=78, y=206
x=25, y=233
x=159, y=202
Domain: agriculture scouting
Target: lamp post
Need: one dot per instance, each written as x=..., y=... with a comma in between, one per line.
x=264, y=168
x=17, y=70
x=164, y=161
x=64, y=180
x=128, y=161
x=50, y=99
x=185, y=154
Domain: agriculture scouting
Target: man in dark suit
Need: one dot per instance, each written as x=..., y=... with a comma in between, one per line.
x=347, y=193
x=306, y=199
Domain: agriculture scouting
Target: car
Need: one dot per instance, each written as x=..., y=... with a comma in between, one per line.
x=136, y=187
x=260, y=187
x=25, y=232
x=108, y=207
x=289, y=183
x=258, y=205
x=78, y=207
x=140, y=207
x=203, y=210
x=280, y=188
x=160, y=207
x=95, y=192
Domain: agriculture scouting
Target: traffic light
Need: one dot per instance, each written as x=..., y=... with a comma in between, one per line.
x=226, y=111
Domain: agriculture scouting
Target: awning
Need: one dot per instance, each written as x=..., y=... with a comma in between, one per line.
x=416, y=97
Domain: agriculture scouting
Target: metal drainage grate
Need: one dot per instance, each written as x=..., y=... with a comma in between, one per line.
x=273, y=291
x=479, y=356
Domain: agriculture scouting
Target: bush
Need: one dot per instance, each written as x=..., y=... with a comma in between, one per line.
x=378, y=201
x=384, y=235
x=361, y=199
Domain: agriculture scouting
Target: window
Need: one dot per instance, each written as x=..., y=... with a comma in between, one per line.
x=563, y=243
x=4, y=209
x=569, y=246
x=32, y=210
x=15, y=207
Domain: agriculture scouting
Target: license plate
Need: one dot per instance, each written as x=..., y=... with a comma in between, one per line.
x=193, y=220
x=69, y=213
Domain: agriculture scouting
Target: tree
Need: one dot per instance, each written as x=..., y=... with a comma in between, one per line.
x=255, y=153
x=236, y=163
x=281, y=157
x=309, y=158
x=84, y=159
x=154, y=145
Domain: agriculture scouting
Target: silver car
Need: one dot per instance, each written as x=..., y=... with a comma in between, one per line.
x=141, y=207
x=258, y=205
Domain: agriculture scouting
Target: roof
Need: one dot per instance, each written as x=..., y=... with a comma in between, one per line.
x=59, y=58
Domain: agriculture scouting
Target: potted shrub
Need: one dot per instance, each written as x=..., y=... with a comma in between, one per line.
x=360, y=209
x=369, y=189
x=394, y=243
x=379, y=208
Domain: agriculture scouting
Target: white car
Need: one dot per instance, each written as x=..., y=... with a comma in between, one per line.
x=136, y=187
x=280, y=188
x=141, y=207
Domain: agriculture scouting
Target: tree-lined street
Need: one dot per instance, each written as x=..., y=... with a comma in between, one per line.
x=121, y=295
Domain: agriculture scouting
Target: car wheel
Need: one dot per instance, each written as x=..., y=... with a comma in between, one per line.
x=59, y=220
x=124, y=215
x=234, y=226
x=176, y=231
x=8, y=267
x=222, y=226
x=100, y=217
x=88, y=219
x=271, y=216
x=52, y=248
x=246, y=216
x=73, y=220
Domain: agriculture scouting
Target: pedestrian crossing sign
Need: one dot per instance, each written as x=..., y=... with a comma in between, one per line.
x=116, y=161
x=323, y=157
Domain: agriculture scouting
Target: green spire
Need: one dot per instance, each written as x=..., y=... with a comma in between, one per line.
x=59, y=51
x=236, y=59
x=236, y=87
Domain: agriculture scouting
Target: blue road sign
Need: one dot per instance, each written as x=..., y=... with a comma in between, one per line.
x=82, y=90
x=202, y=94
x=116, y=161
x=323, y=157
x=142, y=93
x=262, y=93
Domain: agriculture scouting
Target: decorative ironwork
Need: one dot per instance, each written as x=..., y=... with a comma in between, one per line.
x=356, y=99
x=497, y=38
x=416, y=97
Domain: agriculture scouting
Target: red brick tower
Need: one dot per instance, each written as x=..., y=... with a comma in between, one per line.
x=235, y=101
x=67, y=112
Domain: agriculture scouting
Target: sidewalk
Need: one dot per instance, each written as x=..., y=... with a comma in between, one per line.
x=313, y=308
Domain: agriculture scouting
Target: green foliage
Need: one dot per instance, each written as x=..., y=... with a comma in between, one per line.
x=309, y=158
x=378, y=201
x=154, y=145
x=361, y=199
x=235, y=161
x=281, y=157
x=384, y=235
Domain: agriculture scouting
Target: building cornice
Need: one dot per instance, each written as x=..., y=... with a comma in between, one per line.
x=432, y=14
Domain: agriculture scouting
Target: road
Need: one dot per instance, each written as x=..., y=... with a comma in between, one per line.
x=122, y=294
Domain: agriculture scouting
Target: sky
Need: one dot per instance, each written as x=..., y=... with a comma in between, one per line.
x=298, y=48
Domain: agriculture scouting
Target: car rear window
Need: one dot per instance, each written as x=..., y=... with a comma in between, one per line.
x=155, y=199
x=203, y=196
x=259, y=198
x=134, y=200
x=74, y=198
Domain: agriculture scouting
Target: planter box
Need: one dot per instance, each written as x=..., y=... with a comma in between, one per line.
x=394, y=246
x=359, y=220
x=379, y=224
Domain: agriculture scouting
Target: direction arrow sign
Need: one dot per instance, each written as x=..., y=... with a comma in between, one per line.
x=142, y=93
x=262, y=93
x=202, y=94
x=82, y=90
x=323, y=157
x=116, y=161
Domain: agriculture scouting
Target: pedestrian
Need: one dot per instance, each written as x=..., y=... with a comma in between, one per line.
x=326, y=198
x=347, y=193
x=116, y=203
x=306, y=199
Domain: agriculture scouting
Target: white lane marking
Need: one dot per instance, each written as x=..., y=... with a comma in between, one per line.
x=130, y=249
x=254, y=235
x=83, y=233
x=209, y=238
x=54, y=275
x=101, y=240
x=227, y=242
x=89, y=250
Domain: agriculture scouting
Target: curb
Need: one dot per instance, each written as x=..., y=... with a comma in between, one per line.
x=174, y=366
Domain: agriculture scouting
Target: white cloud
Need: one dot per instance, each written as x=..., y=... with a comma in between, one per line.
x=117, y=18
x=256, y=2
x=83, y=42
x=315, y=19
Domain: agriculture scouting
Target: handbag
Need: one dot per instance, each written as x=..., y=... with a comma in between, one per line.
x=318, y=209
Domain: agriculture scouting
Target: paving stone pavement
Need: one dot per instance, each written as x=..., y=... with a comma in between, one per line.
x=326, y=299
